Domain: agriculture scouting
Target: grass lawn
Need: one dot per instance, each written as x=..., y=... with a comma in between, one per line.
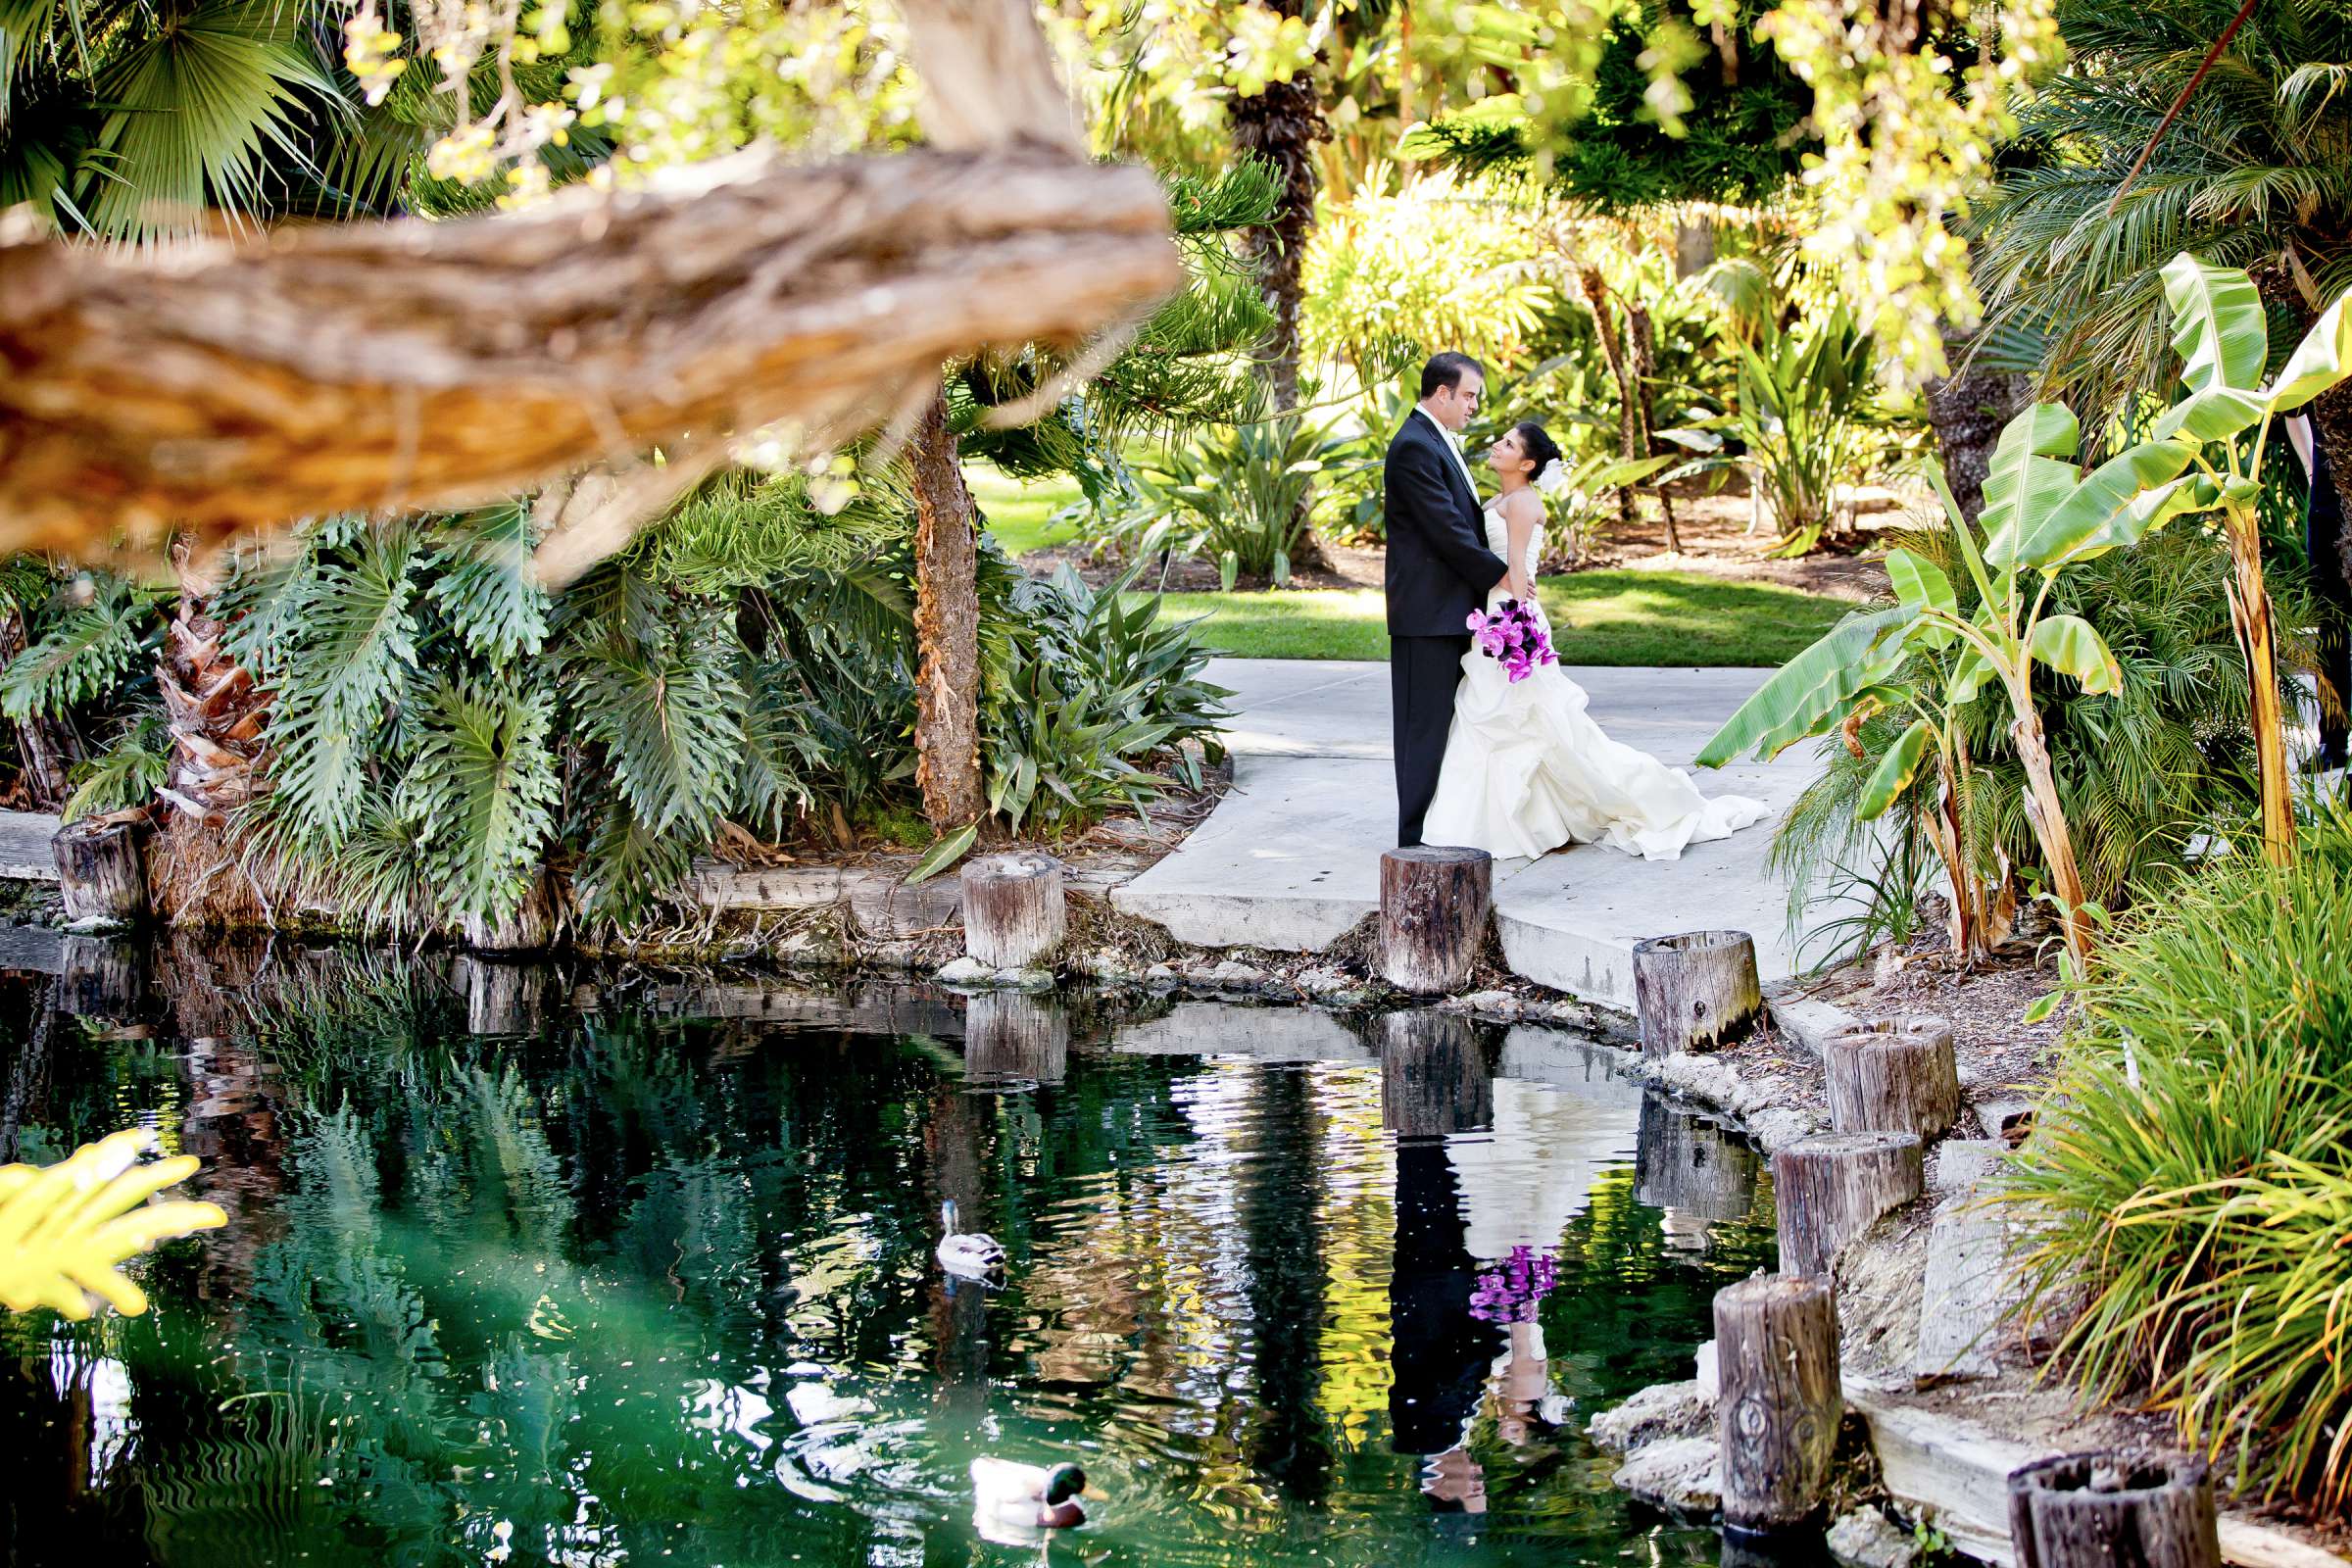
x=1597, y=617
x=1020, y=513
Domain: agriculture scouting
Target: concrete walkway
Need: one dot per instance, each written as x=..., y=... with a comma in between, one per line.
x=1290, y=860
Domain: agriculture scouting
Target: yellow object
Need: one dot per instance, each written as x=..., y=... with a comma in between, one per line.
x=66, y=1228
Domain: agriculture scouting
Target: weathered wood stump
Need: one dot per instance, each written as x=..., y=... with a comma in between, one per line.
x=1697, y=991
x=1435, y=904
x=1685, y=1163
x=102, y=977
x=1015, y=915
x=1775, y=1349
x=530, y=928
x=501, y=999
x=2101, y=1510
x=1434, y=1079
x=1894, y=1075
x=1828, y=1189
x=1012, y=1039
x=102, y=871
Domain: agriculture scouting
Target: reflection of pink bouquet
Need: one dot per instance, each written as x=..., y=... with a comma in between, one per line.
x=1508, y=1291
x=1513, y=637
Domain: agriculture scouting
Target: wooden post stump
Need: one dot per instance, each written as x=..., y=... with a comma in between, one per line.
x=1892, y=1075
x=1697, y=991
x=1828, y=1189
x=1691, y=1166
x=102, y=977
x=501, y=999
x=1015, y=915
x=1435, y=904
x=1012, y=1039
x=1434, y=1079
x=2101, y=1510
x=102, y=870
x=1775, y=1349
x=531, y=928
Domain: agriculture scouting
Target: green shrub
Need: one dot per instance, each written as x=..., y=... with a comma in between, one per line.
x=1807, y=419
x=2193, y=1166
x=1240, y=495
x=1092, y=687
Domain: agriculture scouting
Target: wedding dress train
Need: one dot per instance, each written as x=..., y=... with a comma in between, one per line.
x=1527, y=769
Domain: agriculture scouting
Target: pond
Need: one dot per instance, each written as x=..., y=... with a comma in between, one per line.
x=647, y=1274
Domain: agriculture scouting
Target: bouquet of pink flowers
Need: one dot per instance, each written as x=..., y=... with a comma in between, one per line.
x=1514, y=637
x=1510, y=1291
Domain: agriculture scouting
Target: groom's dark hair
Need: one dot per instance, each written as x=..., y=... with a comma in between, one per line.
x=1447, y=370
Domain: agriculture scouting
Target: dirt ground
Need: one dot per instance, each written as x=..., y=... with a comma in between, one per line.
x=1713, y=531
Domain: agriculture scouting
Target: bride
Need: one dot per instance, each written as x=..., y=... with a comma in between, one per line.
x=1526, y=769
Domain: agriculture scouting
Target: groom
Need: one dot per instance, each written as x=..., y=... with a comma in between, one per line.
x=1438, y=571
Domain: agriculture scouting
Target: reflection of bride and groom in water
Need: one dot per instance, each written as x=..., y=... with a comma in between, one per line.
x=1466, y=1344
x=1489, y=1173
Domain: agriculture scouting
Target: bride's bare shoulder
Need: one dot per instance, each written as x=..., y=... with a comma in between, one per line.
x=1523, y=506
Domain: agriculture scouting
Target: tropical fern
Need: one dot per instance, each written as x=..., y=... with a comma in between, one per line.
x=341, y=677
x=127, y=773
x=485, y=588
x=88, y=648
x=482, y=790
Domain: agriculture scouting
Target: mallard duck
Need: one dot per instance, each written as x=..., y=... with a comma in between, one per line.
x=974, y=1256
x=1026, y=1495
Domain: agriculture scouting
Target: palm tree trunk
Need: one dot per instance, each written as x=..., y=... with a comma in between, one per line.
x=947, y=627
x=1281, y=126
x=2250, y=617
x=1967, y=410
x=1641, y=340
x=217, y=715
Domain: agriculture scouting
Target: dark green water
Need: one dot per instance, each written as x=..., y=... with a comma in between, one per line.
x=651, y=1283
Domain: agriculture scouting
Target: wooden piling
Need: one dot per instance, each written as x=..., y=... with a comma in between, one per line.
x=1776, y=1415
x=501, y=998
x=102, y=977
x=1014, y=913
x=2104, y=1510
x=530, y=928
x=1012, y=1039
x=1435, y=906
x=1828, y=1189
x=1691, y=1166
x=102, y=871
x=1892, y=1075
x=1696, y=992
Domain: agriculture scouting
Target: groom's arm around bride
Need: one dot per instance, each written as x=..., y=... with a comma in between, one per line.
x=1439, y=571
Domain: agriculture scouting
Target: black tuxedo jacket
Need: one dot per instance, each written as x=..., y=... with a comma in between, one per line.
x=1439, y=566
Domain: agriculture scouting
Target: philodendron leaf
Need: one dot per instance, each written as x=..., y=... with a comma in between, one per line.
x=2069, y=645
x=2025, y=479
x=1895, y=771
x=2319, y=361
x=2217, y=325
x=1807, y=695
x=2094, y=504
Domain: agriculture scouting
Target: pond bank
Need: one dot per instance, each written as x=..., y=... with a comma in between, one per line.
x=1951, y=1394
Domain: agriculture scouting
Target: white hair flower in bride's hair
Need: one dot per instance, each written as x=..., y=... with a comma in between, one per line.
x=1553, y=479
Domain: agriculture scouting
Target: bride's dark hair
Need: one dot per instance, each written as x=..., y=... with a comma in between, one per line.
x=1536, y=443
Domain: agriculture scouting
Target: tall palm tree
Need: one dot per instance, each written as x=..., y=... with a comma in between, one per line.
x=2255, y=172
x=1281, y=126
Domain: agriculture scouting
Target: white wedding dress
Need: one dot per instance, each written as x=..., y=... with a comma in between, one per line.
x=1527, y=770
